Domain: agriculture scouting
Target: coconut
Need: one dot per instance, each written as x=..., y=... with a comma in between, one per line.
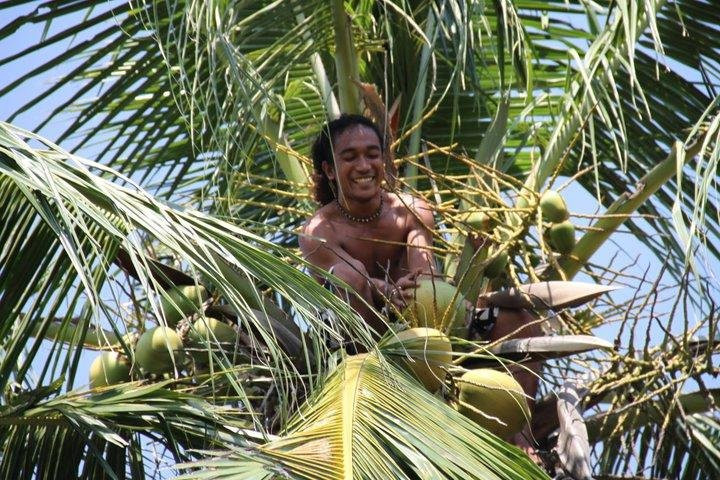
x=436, y=301
x=428, y=348
x=477, y=221
x=496, y=267
x=109, y=368
x=156, y=349
x=553, y=207
x=562, y=236
x=212, y=331
x=180, y=302
x=495, y=394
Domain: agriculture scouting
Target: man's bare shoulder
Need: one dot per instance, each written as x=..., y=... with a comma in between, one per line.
x=321, y=224
x=416, y=206
x=408, y=200
x=318, y=240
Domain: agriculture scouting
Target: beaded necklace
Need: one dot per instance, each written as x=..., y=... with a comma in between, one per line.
x=367, y=219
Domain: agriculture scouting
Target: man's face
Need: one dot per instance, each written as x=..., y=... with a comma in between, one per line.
x=359, y=167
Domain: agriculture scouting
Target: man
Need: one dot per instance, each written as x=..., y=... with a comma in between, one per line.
x=374, y=240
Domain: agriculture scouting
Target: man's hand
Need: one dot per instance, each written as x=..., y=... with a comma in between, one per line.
x=402, y=292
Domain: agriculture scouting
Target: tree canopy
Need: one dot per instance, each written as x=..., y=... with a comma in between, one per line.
x=182, y=159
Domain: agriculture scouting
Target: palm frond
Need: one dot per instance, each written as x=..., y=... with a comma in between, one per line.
x=371, y=420
x=58, y=203
x=102, y=434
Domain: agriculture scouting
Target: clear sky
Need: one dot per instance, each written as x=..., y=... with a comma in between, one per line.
x=27, y=37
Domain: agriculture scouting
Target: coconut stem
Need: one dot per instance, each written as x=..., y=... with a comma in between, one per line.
x=624, y=206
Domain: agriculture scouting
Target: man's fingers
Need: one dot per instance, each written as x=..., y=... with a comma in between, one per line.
x=400, y=297
x=407, y=283
x=400, y=301
x=408, y=293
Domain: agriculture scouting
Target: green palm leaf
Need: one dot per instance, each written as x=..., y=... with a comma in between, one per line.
x=102, y=435
x=57, y=204
x=371, y=420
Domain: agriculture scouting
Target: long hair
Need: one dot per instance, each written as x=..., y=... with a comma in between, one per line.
x=325, y=190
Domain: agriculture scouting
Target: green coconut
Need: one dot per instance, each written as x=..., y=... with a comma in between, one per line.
x=109, y=368
x=477, y=221
x=495, y=394
x=183, y=301
x=436, y=301
x=428, y=349
x=497, y=266
x=157, y=348
x=553, y=207
x=562, y=236
x=212, y=331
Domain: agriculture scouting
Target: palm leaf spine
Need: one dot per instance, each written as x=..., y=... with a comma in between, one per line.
x=411, y=170
x=323, y=83
x=353, y=370
x=331, y=104
x=345, y=60
x=289, y=163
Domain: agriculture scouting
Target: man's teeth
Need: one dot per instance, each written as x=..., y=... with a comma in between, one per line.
x=364, y=179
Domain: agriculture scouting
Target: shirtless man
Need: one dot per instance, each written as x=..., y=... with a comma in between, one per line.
x=377, y=241
x=374, y=240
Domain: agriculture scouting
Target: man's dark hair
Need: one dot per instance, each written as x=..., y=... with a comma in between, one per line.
x=322, y=151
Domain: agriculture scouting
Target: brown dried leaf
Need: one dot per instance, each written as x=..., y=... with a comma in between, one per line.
x=542, y=348
x=387, y=122
x=547, y=295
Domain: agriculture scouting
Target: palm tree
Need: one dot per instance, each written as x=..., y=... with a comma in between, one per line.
x=198, y=117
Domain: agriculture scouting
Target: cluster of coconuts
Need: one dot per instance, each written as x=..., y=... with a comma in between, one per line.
x=493, y=399
x=561, y=233
x=161, y=350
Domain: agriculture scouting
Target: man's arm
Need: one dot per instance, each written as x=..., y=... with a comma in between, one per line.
x=419, y=252
x=419, y=258
x=320, y=247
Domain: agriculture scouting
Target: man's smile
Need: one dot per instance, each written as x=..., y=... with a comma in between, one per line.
x=364, y=180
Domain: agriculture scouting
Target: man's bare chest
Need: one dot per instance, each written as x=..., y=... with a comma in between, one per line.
x=379, y=248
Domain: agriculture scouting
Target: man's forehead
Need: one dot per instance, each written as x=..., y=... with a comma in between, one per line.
x=356, y=136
